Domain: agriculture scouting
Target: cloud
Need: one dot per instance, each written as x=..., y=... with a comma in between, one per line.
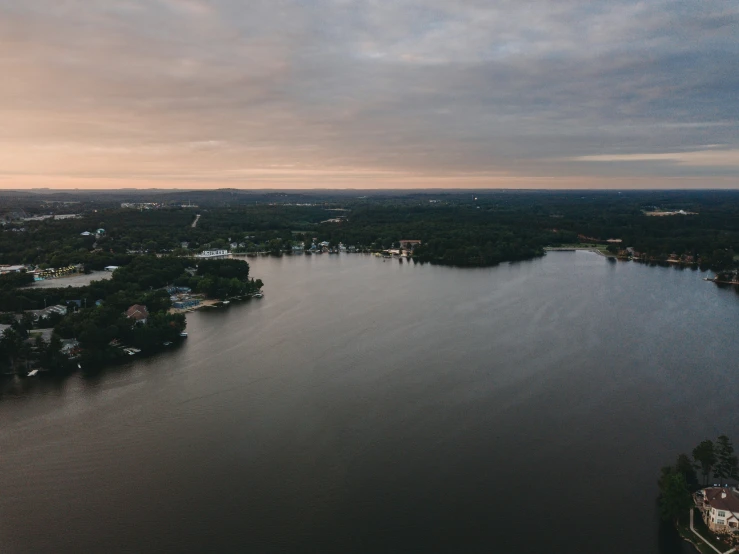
x=700, y=158
x=433, y=90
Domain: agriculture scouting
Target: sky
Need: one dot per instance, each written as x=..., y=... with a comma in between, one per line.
x=291, y=94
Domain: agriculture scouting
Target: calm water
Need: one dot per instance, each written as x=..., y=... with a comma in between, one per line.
x=370, y=406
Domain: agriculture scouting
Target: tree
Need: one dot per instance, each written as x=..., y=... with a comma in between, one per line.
x=705, y=457
x=727, y=466
x=674, y=499
x=685, y=467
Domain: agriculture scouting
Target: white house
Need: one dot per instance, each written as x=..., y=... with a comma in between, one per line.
x=721, y=509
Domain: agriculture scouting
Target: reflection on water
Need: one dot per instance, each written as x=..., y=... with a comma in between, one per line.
x=365, y=406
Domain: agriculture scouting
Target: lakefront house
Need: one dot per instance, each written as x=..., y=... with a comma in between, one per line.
x=138, y=313
x=720, y=507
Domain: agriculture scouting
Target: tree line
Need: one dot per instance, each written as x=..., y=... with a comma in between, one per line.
x=463, y=229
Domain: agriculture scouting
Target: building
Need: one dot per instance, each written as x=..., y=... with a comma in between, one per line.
x=720, y=509
x=70, y=347
x=138, y=313
x=212, y=254
x=48, y=312
x=11, y=268
x=409, y=244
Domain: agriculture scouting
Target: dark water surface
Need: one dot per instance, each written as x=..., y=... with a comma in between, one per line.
x=370, y=406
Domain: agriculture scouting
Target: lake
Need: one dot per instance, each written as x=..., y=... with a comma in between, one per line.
x=365, y=405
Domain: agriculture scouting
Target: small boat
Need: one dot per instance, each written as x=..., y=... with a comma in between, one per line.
x=226, y=302
x=32, y=372
x=183, y=335
x=167, y=343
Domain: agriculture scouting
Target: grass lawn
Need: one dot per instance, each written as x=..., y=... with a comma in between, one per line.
x=683, y=528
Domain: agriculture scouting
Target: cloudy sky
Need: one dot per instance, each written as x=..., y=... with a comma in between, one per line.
x=369, y=93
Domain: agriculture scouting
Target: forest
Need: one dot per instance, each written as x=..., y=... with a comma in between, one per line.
x=455, y=228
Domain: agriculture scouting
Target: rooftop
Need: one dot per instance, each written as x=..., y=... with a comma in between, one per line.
x=722, y=498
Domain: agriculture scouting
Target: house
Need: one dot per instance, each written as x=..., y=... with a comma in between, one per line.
x=409, y=244
x=11, y=268
x=138, y=313
x=48, y=312
x=70, y=347
x=720, y=509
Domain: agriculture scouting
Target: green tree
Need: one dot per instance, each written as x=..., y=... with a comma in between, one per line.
x=727, y=466
x=705, y=457
x=674, y=499
x=685, y=467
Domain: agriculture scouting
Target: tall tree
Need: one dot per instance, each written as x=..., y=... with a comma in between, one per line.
x=685, y=467
x=727, y=465
x=674, y=499
x=705, y=457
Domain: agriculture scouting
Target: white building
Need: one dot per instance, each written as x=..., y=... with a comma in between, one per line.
x=11, y=268
x=721, y=509
x=212, y=254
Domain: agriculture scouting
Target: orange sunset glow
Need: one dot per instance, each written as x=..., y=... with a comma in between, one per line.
x=329, y=94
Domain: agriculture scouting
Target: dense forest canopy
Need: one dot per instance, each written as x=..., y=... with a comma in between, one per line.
x=459, y=228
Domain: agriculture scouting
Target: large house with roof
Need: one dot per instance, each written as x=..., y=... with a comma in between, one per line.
x=138, y=313
x=720, y=507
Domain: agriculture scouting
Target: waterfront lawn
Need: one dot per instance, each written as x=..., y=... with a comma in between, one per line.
x=683, y=529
